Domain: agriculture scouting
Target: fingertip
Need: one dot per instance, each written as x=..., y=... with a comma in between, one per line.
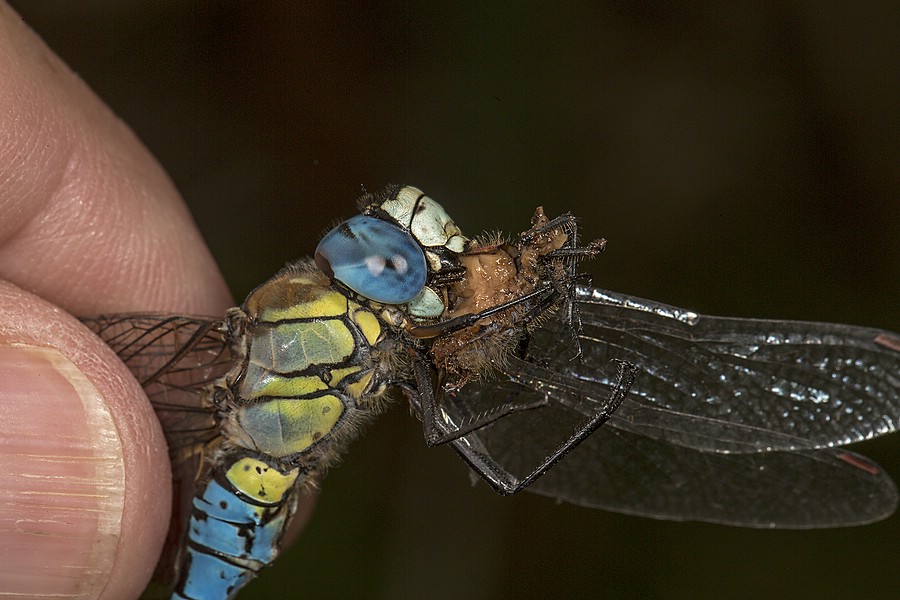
x=88, y=218
x=83, y=464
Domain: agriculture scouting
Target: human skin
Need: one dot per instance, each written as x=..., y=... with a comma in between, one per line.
x=89, y=224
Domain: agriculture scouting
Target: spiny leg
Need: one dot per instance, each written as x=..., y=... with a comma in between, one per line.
x=461, y=322
x=624, y=380
x=437, y=431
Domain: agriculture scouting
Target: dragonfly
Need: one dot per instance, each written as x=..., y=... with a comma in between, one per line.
x=505, y=353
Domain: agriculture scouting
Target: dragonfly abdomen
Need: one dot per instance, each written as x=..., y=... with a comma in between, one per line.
x=235, y=528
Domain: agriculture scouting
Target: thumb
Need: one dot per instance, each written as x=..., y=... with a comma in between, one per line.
x=83, y=470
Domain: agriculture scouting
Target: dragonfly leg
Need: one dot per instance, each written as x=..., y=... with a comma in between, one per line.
x=541, y=295
x=436, y=430
x=624, y=380
x=504, y=482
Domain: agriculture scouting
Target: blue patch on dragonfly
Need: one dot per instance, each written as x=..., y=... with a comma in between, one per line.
x=373, y=258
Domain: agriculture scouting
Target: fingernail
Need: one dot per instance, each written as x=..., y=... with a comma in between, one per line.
x=62, y=478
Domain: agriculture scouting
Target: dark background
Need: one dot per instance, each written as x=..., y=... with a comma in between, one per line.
x=740, y=161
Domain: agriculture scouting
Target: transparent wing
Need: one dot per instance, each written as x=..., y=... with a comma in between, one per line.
x=176, y=359
x=735, y=385
x=729, y=420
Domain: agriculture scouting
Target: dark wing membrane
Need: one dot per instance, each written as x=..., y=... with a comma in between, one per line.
x=722, y=423
x=176, y=359
x=630, y=473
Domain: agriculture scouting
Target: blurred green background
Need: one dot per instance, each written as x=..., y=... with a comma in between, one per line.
x=740, y=160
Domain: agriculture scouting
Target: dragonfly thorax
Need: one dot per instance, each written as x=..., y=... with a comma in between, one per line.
x=309, y=370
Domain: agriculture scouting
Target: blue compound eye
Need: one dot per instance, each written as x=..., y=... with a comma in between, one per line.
x=374, y=259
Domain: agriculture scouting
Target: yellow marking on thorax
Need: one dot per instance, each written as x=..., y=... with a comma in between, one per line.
x=368, y=323
x=337, y=375
x=295, y=296
x=283, y=427
x=291, y=347
x=265, y=383
x=327, y=304
x=358, y=388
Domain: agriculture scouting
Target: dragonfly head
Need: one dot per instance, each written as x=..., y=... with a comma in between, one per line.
x=400, y=251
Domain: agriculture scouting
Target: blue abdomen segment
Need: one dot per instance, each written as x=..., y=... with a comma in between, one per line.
x=211, y=578
x=373, y=258
x=234, y=532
